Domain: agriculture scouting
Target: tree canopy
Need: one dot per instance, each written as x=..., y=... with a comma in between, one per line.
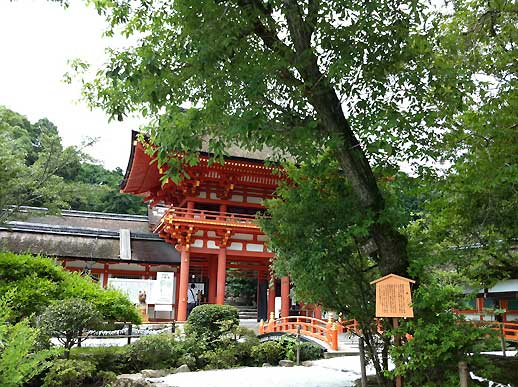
x=360, y=80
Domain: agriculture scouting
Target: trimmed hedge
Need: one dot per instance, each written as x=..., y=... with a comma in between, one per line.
x=154, y=351
x=211, y=322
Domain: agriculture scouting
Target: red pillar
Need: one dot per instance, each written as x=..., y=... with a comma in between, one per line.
x=318, y=312
x=213, y=275
x=285, y=296
x=271, y=297
x=105, y=275
x=184, y=285
x=222, y=275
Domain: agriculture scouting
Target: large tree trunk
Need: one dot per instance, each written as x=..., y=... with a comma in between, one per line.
x=391, y=244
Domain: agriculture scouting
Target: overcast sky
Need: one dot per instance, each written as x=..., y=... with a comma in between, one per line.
x=37, y=38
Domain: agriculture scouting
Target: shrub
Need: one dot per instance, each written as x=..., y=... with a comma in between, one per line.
x=310, y=351
x=222, y=358
x=211, y=322
x=244, y=352
x=67, y=321
x=114, y=359
x=111, y=303
x=69, y=373
x=194, y=351
x=268, y=352
x=155, y=351
x=228, y=354
x=36, y=280
x=440, y=339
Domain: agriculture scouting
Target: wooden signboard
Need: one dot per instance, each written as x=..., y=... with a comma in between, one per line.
x=393, y=297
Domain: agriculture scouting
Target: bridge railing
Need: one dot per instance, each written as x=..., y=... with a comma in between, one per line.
x=326, y=331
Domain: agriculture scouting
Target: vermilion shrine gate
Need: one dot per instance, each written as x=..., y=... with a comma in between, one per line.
x=211, y=221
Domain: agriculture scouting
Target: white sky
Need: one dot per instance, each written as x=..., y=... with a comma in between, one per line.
x=37, y=37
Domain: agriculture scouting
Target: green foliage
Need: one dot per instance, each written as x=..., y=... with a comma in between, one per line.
x=223, y=357
x=34, y=281
x=67, y=320
x=321, y=249
x=69, y=373
x=155, y=351
x=269, y=352
x=106, y=359
x=111, y=303
x=37, y=281
x=310, y=351
x=20, y=357
x=212, y=322
x=440, y=339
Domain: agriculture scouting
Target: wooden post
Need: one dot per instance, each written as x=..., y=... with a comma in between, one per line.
x=130, y=332
x=361, y=346
x=271, y=323
x=502, y=338
x=463, y=374
x=334, y=337
x=285, y=296
x=397, y=343
x=298, y=344
x=213, y=275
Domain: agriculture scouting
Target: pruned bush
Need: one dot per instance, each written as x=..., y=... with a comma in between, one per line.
x=222, y=358
x=210, y=322
x=268, y=352
x=155, y=351
x=310, y=351
x=69, y=373
x=67, y=320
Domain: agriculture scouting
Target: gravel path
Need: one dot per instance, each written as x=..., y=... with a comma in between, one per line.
x=336, y=372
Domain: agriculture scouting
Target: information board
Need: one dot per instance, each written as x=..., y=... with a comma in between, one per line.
x=393, y=296
x=163, y=290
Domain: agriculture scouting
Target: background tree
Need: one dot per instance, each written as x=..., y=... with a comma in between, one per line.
x=36, y=170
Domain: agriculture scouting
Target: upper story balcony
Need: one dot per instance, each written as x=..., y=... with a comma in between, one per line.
x=213, y=220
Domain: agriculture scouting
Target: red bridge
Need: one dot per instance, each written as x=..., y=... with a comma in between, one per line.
x=326, y=331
